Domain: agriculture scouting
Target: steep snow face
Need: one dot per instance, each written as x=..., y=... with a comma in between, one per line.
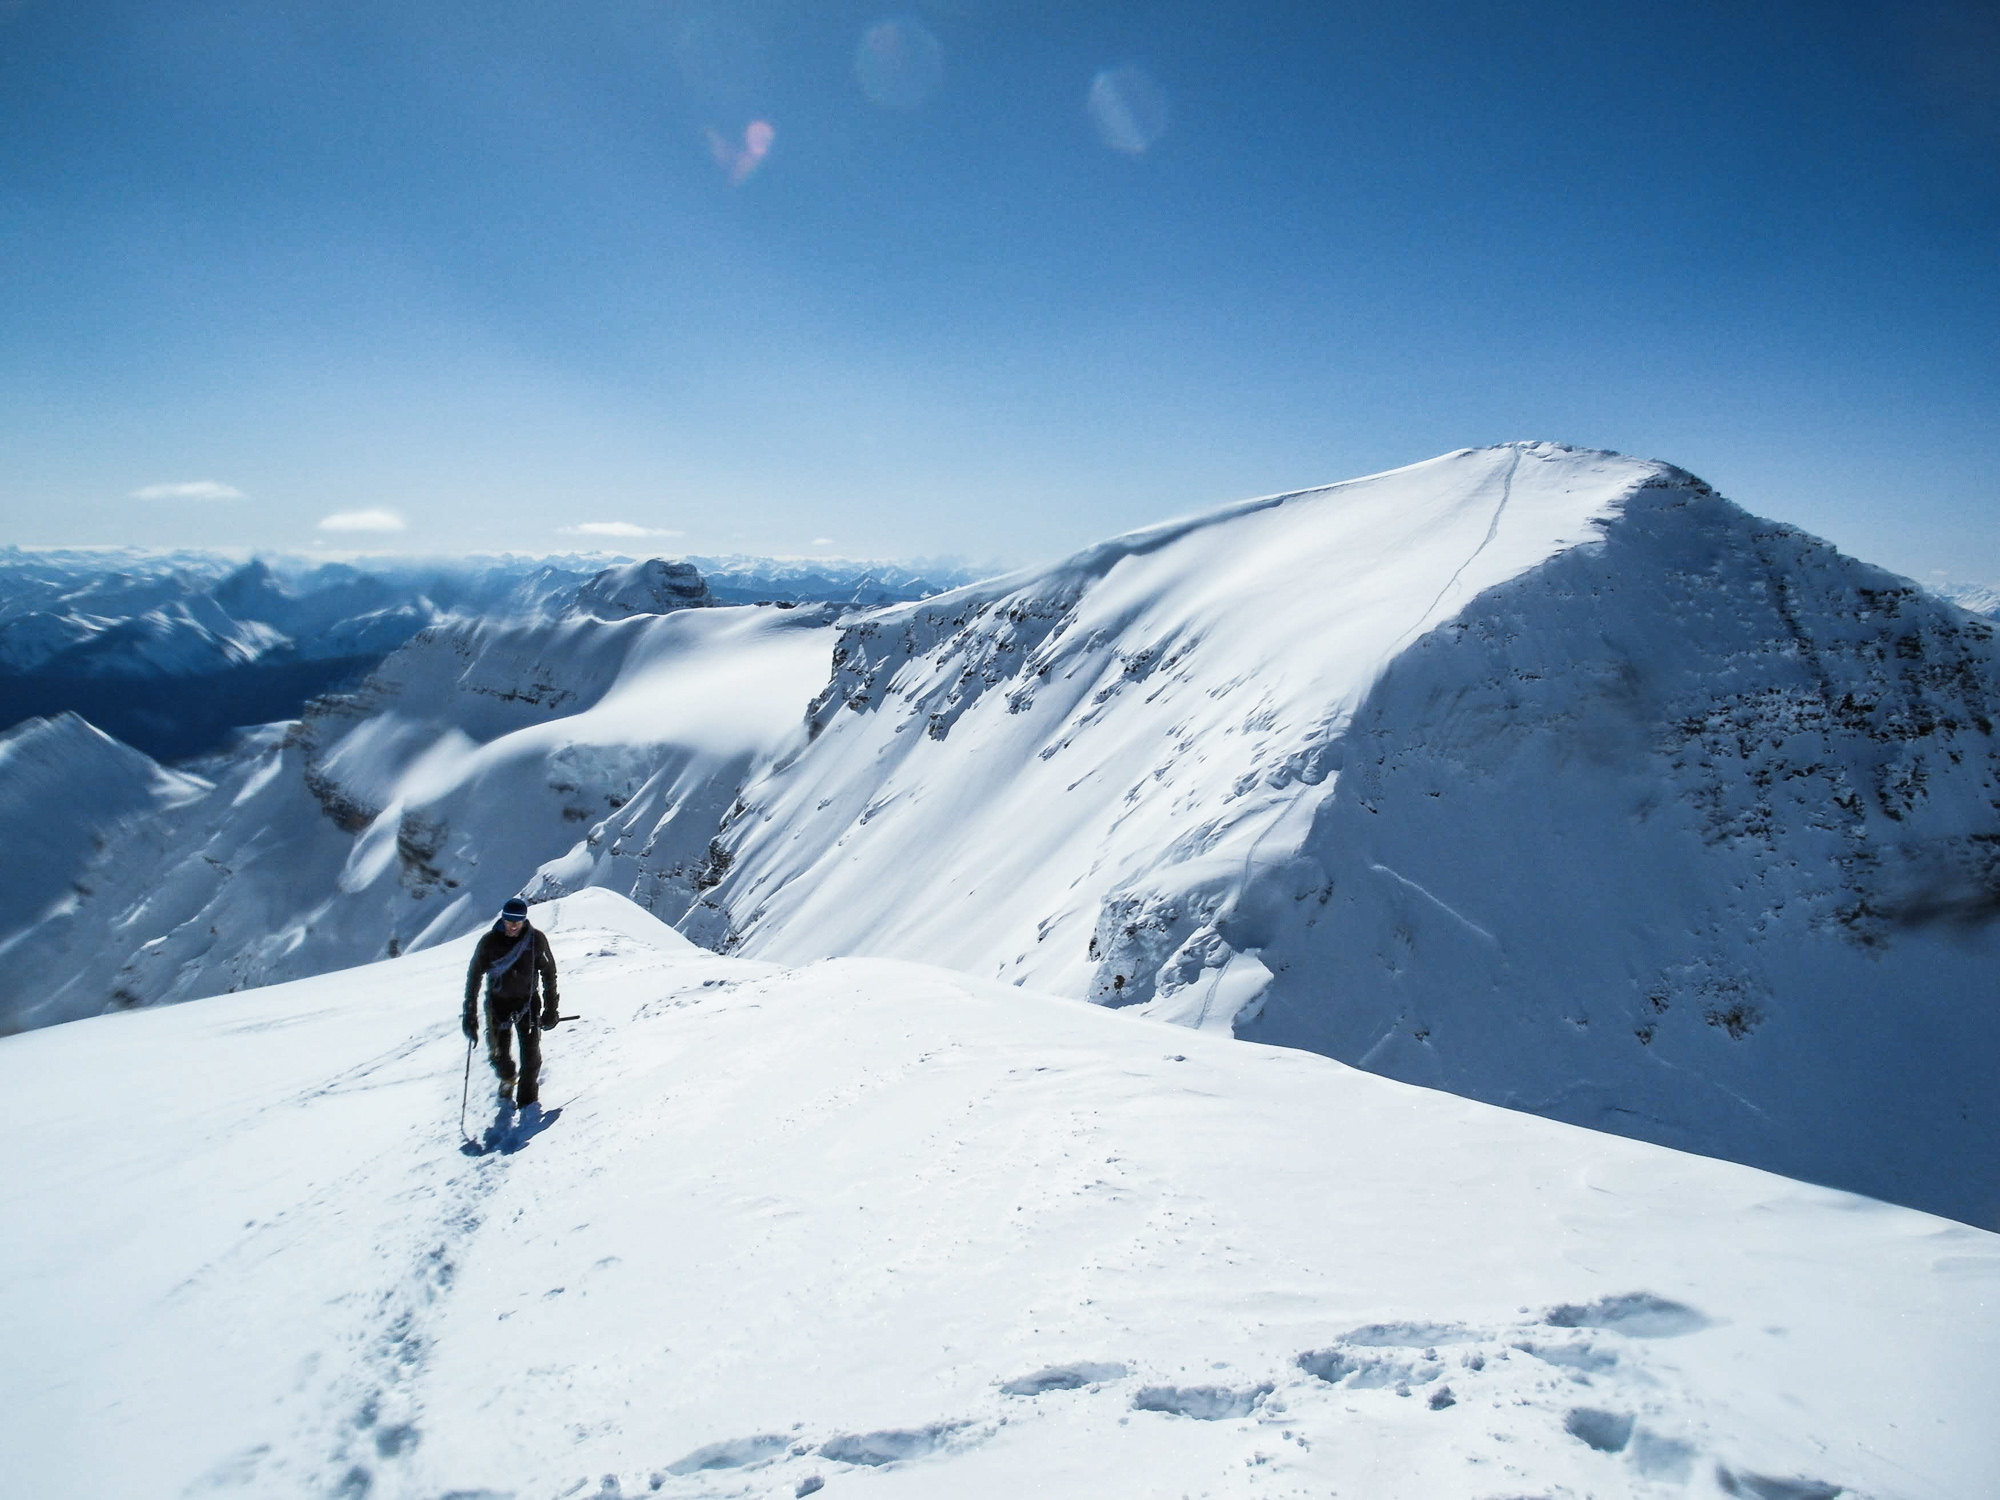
x=1691, y=834
x=67, y=791
x=901, y=1231
x=1069, y=778
x=1546, y=777
x=404, y=814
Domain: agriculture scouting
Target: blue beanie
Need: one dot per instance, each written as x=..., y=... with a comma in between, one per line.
x=516, y=910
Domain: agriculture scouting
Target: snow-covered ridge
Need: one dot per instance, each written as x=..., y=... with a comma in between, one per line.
x=898, y=1230
x=1544, y=776
x=42, y=765
x=995, y=772
x=1548, y=777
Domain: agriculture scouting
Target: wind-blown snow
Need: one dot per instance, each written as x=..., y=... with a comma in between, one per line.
x=900, y=1230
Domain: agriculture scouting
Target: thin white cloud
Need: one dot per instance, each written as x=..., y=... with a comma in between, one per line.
x=363, y=520
x=614, y=528
x=199, y=489
x=822, y=541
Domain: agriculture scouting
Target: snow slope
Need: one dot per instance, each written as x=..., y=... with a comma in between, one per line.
x=1545, y=776
x=903, y=1231
x=1003, y=771
x=403, y=815
x=99, y=786
x=1695, y=835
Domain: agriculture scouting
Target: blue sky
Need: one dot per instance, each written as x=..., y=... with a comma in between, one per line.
x=978, y=279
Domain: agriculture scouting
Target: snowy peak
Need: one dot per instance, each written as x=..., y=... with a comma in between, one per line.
x=1541, y=775
x=1155, y=702
x=1687, y=834
x=1545, y=776
x=68, y=753
x=1980, y=598
x=653, y=587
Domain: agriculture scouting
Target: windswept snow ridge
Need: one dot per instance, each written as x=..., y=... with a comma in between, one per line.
x=734, y=1256
x=1075, y=778
x=1545, y=776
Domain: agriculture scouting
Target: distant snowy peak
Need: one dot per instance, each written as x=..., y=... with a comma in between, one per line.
x=187, y=638
x=653, y=587
x=67, y=753
x=1980, y=598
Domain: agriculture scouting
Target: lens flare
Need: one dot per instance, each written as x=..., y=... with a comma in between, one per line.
x=899, y=64
x=1128, y=109
x=740, y=161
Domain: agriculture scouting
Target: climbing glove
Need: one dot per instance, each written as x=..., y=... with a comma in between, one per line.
x=549, y=1017
x=469, y=1024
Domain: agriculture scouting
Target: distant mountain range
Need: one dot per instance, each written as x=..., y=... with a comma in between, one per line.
x=172, y=651
x=1980, y=598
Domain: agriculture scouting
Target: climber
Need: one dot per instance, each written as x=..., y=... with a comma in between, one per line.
x=510, y=957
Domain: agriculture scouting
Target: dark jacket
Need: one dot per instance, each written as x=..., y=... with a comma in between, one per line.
x=515, y=988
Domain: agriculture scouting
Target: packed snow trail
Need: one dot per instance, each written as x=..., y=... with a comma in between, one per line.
x=907, y=1232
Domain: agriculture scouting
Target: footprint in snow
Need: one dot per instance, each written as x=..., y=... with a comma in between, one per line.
x=1342, y=1366
x=891, y=1445
x=1606, y=1431
x=731, y=1453
x=1354, y=1363
x=1638, y=1315
x=1766, y=1487
x=1063, y=1378
x=1205, y=1403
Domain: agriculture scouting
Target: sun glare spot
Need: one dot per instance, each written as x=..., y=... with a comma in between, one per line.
x=899, y=64
x=739, y=161
x=1128, y=108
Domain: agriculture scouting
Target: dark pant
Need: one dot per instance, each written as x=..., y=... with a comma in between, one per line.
x=515, y=1015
